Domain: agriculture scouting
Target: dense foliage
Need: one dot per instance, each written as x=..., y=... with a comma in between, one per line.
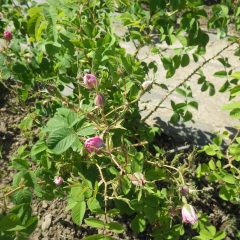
x=92, y=147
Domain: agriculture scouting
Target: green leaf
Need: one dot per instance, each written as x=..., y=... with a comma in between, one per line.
x=61, y=140
x=177, y=61
x=8, y=222
x=98, y=237
x=187, y=116
x=235, y=113
x=181, y=91
x=220, y=74
x=110, y=4
x=78, y=212
x=38, y=147
x=225, y=194
x=35, y=16
x=193, y=104
x=211, y=149
x=16, y=228
x=18, y=177
x=211, y=89
x=86, y=130
x=125, y=184
x=22, y=196
x=26, y=123
x=236, y=75
x=185, y=60
x=220, y=235
x=235, y=90
x=212, y=165
x=20, y=164
x=175, y=118
x=115, y=227
x=138, y=224
x=93, y=205
x=31, y=224
x=229, y=179
x=178, y=4
x=232, y=105
x=76, y=195
x=137, y=162
x=205, y=234
x=50, y=14
x=93, y=222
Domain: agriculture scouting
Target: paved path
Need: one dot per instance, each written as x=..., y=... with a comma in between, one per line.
x=210, y=116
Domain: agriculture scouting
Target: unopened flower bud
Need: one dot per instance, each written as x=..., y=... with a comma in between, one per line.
x=188, y=214
x=93, y=144
x=7, y=36
x=58, y=180
x=147, y=85
x=184, y=190
x=137, y=179
x=90, y=81
x=99, y=100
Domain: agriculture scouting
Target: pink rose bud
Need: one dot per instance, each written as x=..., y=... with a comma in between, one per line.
x=147, y=85
x=93, y=144
x=188, y=214
x=7, y=36
x=137, y=179
x=58, y=180
x=99, y=100
x=184, y=190
x=90, y=81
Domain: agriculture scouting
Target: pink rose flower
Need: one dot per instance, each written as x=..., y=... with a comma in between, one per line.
x=93, y=144
x=58, y=180
x=90, y=81
x=7, y=36
x=188, y=214
x=99, y=100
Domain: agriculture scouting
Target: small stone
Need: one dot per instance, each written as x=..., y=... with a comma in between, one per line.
x=47, y=222
x=3, y=127
x=68, y=218
x=44, y=204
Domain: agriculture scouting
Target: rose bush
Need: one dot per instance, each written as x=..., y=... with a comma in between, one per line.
x=92, y=147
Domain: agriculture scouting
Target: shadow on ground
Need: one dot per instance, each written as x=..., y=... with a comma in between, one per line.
x=186, y=134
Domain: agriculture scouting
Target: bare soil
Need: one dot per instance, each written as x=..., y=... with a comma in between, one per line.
x=56, y=224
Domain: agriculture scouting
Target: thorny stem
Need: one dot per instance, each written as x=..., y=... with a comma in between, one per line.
x=18, y=188
x=130, y=145
x=105, y=194
x=230, y=165
x=177, y=170
x=202, y=190
x=185, y=80
x=13, y=191
x=171, y=167
x=116, y=163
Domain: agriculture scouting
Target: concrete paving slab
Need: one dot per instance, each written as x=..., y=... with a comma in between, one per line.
x=210, y=116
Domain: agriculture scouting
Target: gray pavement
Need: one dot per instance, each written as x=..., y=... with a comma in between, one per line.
x=210, y=116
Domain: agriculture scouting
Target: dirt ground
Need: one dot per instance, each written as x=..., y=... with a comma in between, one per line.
x=55, y=223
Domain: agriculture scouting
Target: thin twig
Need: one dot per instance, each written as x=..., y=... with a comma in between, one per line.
x=170, y=167
x=185, y=80
x=105, y=193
